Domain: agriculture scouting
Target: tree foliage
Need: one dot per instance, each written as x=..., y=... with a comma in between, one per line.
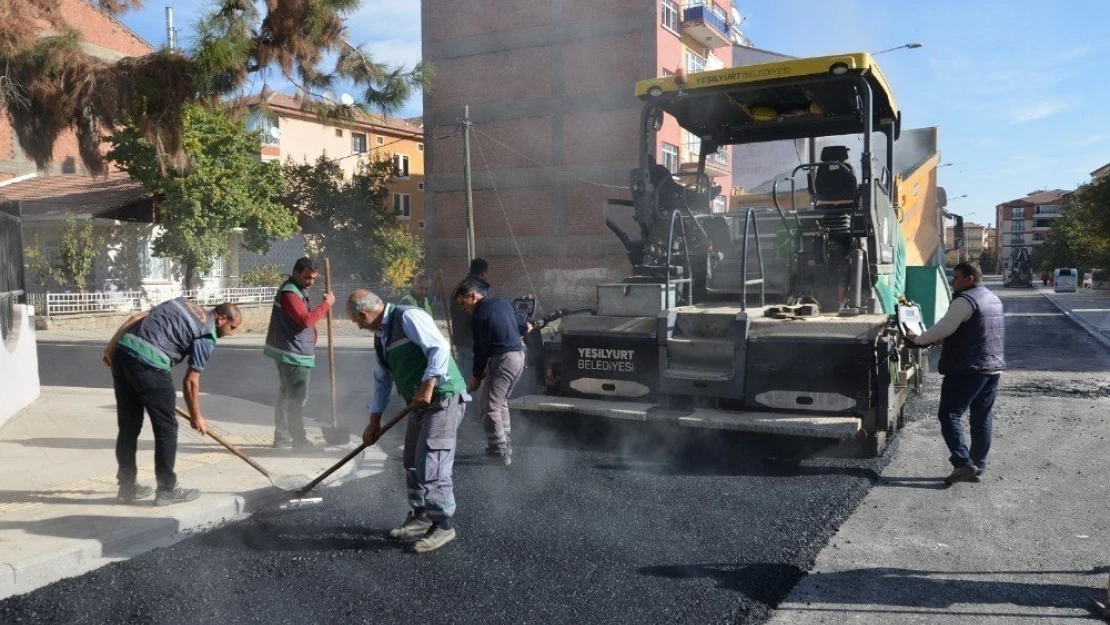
x=227, y=190
x=352, y=221
x=77, y=253
x=1080, y=236
x=50, y=84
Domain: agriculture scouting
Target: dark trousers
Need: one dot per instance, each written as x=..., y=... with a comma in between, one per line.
x=139, y=386
x=962, y=393
x=292, y=395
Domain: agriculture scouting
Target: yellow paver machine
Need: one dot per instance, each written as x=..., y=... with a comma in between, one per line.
x=800, y=336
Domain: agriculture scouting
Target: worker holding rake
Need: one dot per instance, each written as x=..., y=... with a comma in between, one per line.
x=413, y=354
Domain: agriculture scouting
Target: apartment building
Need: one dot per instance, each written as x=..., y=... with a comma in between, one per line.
x=289, y=131
x=1025, y=222
x=550, y=89
x=977, y=239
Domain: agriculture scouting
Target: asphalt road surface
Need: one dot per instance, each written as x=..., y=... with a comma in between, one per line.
x=615, y=524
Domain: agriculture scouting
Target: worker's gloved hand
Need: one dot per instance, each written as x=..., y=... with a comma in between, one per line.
x=373, y=429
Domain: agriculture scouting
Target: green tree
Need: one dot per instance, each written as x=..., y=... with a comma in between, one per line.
x=52, y=83
x=77, y=253
x=227, y=189
x=1080, y=236
x=987, y=262
x=263, y=275
x=352, y=222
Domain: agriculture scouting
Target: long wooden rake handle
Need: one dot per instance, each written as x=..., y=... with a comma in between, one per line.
x=331, y=346
x=232, y=448
x=358, y=450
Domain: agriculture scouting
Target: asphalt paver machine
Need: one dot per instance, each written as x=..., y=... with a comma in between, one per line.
x=800, y=334
x=1019, y=270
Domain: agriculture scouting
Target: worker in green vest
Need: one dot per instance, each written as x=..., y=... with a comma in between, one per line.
x=291, y=343
x=420, y=295
x=414, y=356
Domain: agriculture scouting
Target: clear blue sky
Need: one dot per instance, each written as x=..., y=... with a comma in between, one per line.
x=1017, y=87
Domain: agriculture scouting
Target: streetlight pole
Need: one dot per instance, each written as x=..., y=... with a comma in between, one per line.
x=908, y=46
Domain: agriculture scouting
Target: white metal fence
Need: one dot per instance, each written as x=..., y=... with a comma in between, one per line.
x=93, y=302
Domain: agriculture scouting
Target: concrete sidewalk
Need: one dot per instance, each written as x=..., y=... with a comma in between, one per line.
x=58, y=512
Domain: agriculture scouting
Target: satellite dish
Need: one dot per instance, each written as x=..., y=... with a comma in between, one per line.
x=346, y=99
x=737, y=19
x=275, y=132
x=739, y=39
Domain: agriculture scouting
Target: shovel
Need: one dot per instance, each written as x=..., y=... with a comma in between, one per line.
x=300, y=501
x=334, y=435
x=284, y=482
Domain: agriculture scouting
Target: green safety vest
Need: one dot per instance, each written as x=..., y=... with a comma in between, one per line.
x=425, y=305
x=286, y=341
x=406, y=362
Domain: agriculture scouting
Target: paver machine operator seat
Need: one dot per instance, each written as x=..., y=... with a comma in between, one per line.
x=833, y=183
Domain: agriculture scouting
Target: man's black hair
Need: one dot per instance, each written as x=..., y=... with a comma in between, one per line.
x=468, y=286
x=478, y=266
x=970, y=269
x=304, y=263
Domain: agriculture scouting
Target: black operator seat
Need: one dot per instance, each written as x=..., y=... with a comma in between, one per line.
x=833, y=183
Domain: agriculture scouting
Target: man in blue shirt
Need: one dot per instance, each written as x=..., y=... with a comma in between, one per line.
x=498, y=360
x=413, y=354
x=141, y=354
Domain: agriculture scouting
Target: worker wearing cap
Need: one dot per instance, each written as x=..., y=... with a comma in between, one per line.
x=140, y=355
x=971, y=361
x=291, y=343
x=419, y=295
x=413, y=354
x=462, y=340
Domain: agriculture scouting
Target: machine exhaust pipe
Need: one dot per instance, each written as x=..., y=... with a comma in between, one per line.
x=857, y=279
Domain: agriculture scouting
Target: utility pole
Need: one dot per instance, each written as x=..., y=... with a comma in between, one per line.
x=471, y=250
x=171, y=35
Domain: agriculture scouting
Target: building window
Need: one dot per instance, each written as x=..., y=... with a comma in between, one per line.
x=266, y=125
x=401, y=165
x=358, y=143
x=217, y=270
x=1018, y=225
x=1017, y=239
x=691, y=146
x=1038, y=236
x=1042, y=223
x=381, y=140
x=719, y=204
x=670, y=15
x=402, y=205
x=154, y=268
x=1019, y=213
x=694, y=63
x=420, y=186
x=670, y=157
x=420, y=224
x=419, y=147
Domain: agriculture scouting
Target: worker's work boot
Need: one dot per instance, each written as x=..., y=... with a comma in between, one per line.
x=128, y=494
x=434, y=539
x=962, y=474
x=177, y=495
x=413, y=527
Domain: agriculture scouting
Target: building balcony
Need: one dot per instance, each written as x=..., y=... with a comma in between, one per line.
x=702, y=24
x=716, y=164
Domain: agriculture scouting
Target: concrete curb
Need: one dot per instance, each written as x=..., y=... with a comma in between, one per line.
x=24, y=576
x=1079, y=321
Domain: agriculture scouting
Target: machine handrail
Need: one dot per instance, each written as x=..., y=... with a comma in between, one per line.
x=750, y=221
x=685, y=250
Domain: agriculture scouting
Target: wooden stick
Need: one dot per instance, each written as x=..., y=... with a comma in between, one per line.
x=331, y=347
x=232, y=448
x=358, y=450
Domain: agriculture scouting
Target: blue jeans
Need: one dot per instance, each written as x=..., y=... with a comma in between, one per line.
x=958, y=394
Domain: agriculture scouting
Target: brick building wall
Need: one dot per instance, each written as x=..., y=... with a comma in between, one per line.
x=553, y=82
x=104, y=37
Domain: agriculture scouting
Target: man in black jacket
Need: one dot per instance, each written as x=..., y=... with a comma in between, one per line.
x=498, y=360
x=462, y=341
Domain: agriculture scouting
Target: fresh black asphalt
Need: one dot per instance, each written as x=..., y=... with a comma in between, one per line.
x=613, y=523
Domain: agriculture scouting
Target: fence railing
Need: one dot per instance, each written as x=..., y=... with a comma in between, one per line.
x=98, y=302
